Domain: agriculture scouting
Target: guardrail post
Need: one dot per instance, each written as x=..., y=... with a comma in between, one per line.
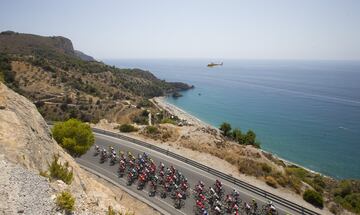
x=302, y=210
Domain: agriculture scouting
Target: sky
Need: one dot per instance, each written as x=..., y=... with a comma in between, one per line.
x=216, y=29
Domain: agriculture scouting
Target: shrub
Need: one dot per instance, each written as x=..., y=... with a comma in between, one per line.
x=152, y=129
x=73, y=135
x=350, y=202
x=62, y=172
x=142, y=120
x=281, y=179
x=265, y=167
x=225, y=128
x=271, y=181
x=127, y=128
x=169, y=121
x=347, y=194
x=295, y=184
x=65, y=201
x=145, y=103
x=318, y=183
x=166, y=135
x=313, y=198
x=343, y=189
x=297, y=172
x=111, y=211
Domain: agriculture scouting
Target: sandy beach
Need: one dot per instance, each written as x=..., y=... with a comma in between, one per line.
x=181, y=114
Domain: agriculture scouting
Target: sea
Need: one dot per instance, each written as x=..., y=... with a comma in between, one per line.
x=306, y=112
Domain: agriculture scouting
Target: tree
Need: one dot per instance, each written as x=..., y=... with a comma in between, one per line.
x=73, y=135
x=250, y=138
x=237, y=135
x=225, y=128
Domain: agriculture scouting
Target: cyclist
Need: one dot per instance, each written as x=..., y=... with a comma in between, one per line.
x=254, y=205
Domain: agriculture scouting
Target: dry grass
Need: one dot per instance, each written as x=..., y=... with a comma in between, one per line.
x=164, y=133
x=250, y=162
x=271, y=181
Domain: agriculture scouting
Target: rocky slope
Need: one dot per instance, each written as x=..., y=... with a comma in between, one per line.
x=15, y=43
x=65, y=84
x=23, y=191
x=83, y=56
x=26, y=148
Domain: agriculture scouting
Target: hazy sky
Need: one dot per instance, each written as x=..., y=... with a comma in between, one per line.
x=253, y=29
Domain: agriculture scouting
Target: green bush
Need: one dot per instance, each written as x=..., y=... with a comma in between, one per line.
x=317, y=183
x=313, y=198
x=347, y=194
x=343, y=189
x=73, y=135
x=127, y=128
x=65, y=201
x=152, y=129
x=59, y=171
x=351, y=202
x=297, y=172
x=169, y=121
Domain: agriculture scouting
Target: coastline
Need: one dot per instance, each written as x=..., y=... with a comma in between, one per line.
x=180, y=113
x=208, y=138
x=183, y=115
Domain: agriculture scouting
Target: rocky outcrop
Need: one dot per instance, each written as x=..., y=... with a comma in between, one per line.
x=26, y=148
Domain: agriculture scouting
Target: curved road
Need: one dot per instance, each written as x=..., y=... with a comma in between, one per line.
x=165, y=206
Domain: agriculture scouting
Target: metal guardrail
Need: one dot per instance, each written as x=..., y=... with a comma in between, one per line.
x=277, y=199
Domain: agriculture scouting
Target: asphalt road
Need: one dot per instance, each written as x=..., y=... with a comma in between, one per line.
x=91, y=162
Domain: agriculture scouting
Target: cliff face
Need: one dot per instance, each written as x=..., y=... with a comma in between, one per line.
x=24, y=134
x=26, y=148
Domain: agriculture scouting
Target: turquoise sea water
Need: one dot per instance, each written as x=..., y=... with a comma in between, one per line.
x=307, y=112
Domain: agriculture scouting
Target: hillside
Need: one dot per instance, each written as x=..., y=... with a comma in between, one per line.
x=83, y=56
x=26, y=44
x=48, y=71
x=26, y=150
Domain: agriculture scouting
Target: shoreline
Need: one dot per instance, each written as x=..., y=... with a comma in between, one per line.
x=180, y=113
x=183, y=115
